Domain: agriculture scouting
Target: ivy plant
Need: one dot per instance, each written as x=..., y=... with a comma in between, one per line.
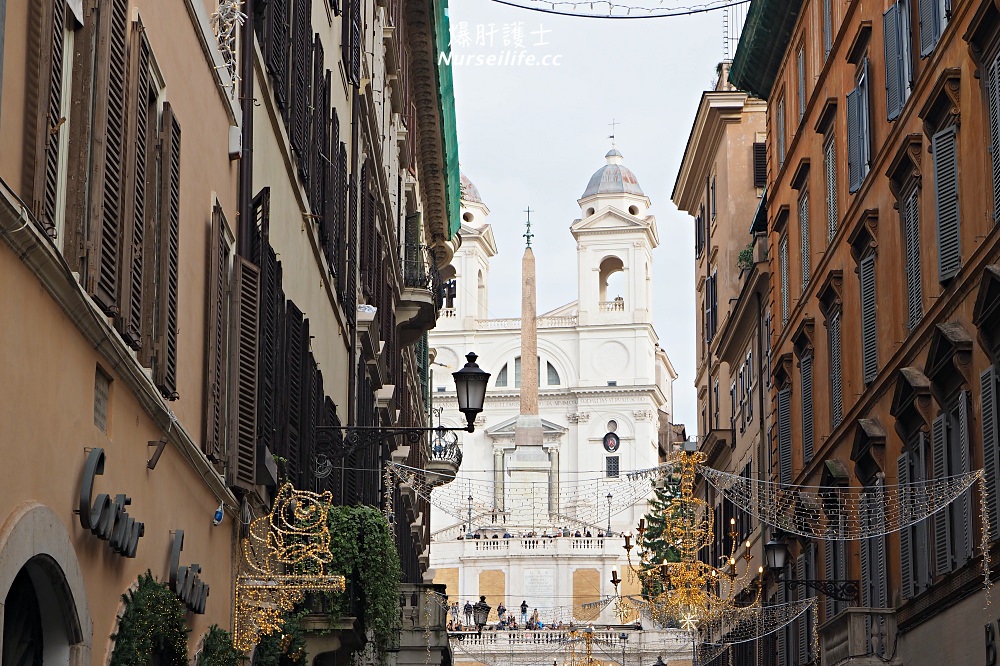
x=152, y=623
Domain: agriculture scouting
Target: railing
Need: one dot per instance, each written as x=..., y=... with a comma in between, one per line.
x=515, y=323
x=420, y=269
x=448, y=312
x=617, y=305
x=558, y=545
x=449, y=453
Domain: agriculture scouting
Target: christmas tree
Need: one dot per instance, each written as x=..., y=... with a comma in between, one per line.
x=661, y=509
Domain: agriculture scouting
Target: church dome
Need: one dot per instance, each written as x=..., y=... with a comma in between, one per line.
x=613, y=178
x=470, y=193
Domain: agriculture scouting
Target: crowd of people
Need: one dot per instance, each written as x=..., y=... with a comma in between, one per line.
x=545, y=534
x=506, y=620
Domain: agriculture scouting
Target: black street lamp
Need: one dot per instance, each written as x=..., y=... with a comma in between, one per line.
x=480, y=613
x=608, y=531
x=470, y=388
x=776, y=556
x=623, y=639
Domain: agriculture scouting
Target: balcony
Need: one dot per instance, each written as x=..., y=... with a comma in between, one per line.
x=617, y=305
x=423, y=640
x=420, y=299
x=860, y=637
x=566, y=546
x=443, y=463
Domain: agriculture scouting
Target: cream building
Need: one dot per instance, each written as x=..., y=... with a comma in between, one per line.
x=540, y=462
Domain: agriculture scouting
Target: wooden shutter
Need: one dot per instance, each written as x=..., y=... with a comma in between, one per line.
x=709, y=281
x=354, y=71
x=829, y=572
x=991, y=445
x=140, y=128
x=942, y=523
x=243, y=406
x=294, y=357
x=342, y=222
x=830, y=173
x=107, y=156
x=864, y=551
x=301, y=93
x=869, y=323
x=800, y=65
x=785, y=435
x=921, y=531
x=45, y=124
x=806, y=392
x=759, y=164
x=780, y=131
x=319, y=144
x=854, y=139
x=893, y=74
x=165, y=364
x=801, y=625
x=993, y=104
x=944, y=146
x=827, y=27
x=276, y=30
x=272, y=304
x=836, y=370
x=782, y=642
x=806, y=246
x=963, y=504
x=351, y=292
x=783, y=266
x=930, y=26
x=329, y=230
x=911, y=240
x=907, y=589
x=215, y=355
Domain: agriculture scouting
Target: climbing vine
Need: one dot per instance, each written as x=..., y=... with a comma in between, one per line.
x=151, y=624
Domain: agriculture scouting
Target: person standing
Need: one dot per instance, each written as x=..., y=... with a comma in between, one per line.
x=524, y=611
x=454, y=613
x=468, y=612
x=501, y=609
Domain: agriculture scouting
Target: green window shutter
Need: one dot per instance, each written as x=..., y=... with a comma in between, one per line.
x=963, y=505
x=827, y=27
x=869, y=322
x=277, y=24
x=930, y=25
x=905, y=536
x=893, y=86
x=944, y=145
x=911, y=241
x=854, y=171
x=783, y=266
x=942, y=523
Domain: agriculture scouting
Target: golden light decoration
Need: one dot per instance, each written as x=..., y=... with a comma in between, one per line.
x=692, y=592
x=285, y=555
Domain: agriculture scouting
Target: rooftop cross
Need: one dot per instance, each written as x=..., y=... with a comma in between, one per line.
x=614, y=123
x=527, y=234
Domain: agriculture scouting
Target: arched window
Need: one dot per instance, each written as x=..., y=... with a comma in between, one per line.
x=553, y=374
x=483, y=310
x=502, y=376
x=612, y=283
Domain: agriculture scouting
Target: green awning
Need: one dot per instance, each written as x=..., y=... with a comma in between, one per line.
x=449, y=132
x=766, y=36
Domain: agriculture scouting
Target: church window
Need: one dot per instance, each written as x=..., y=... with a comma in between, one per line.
x=633, y=210
x=553, y=375
x=612, y=425
x=468, y=217
x=502, y=376
x=611, y=467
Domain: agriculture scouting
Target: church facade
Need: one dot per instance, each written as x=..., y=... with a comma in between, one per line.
x=533, y=516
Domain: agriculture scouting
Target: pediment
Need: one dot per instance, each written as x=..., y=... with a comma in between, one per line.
x=506, y=428
x=611, y=218
x=569, y=310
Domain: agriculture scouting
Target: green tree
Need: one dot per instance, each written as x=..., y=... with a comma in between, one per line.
x=661, y=509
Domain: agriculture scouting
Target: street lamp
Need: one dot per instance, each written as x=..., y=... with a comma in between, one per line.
x=776, y=555
x=480, y=613
x=623, y=639
x=468, y=534
x=470, y=389
x=608, y=531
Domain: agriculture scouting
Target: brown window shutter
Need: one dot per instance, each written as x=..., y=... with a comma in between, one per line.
x=351, y=290
x=214, y=445
x=318, y=146
x=243, y=406
x=328, y=223
x=165, y=353
x=45, y=124
x=343, y=211
x=296, y=332
x=107, y=156
x=137, y=123
x=275, y=47
x=299, y=117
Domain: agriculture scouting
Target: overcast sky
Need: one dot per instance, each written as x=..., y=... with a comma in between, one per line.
x=533, y=135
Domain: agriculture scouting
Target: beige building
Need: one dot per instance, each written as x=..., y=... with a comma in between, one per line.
x=195, y=287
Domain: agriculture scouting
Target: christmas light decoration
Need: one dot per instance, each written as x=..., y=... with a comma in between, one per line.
x=285, y=555
x=226, y=20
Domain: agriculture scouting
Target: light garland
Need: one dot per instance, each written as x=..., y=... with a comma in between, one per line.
x=835, y=513
x=284, y=556
x=606, y=9
x=225, y=22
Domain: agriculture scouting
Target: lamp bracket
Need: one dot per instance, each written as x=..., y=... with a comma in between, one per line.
x=356, y=438
x=841, y=590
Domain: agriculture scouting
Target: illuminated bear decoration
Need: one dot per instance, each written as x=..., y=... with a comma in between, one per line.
x=299, y=534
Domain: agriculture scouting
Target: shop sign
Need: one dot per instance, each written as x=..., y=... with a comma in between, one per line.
x=185, y=581
x=107, y=518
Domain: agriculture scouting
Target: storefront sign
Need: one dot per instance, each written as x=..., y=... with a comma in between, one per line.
x=107, y=519
x=185, y=581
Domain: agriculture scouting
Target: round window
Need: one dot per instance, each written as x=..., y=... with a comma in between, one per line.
x=612, y=425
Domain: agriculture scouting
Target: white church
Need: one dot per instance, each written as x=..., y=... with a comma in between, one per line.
x=540, y=503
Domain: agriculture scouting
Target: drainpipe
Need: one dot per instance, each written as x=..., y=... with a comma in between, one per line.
x=245, y=230
x=352, y=370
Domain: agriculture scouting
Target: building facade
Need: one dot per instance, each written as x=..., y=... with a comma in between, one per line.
x=883, y=265
x=601, y=409
x=205, y=309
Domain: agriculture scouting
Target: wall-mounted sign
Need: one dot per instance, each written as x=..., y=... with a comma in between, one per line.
x=107, y=519
x=611, y=442
x=185, y=581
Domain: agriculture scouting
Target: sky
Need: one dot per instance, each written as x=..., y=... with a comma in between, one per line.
x=533, y=135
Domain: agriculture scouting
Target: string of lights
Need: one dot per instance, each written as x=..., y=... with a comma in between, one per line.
x=607, y=9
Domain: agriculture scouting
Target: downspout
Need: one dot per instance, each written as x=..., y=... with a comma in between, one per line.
x=352, y=370
x=245, y=230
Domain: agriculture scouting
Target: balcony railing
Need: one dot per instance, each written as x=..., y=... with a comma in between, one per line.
x=420, y=269
x=556, y=546
x=515, y=323
x=448, y=453
x=617, y=305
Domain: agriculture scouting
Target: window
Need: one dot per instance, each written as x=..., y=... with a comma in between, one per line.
x=743, y=400
x=914, y=543
x=749, y=395
x=989, y=388
x=805, y=247
x=517, y=372
x=944, y=148
x=502, y=376
x=699, y=240
x=874, y=582
x=732, y=407
x=711, y=306
x=800, y=66
x=950, y=452
x=869, y=322
x=806, y=396
x=553, y=374
x=715, y=396
x=783, y=267
x=896, y=28
x=760, y=164
x=779, y=130
x=611, y=467
x=858, y=129
x=836, y=370
x=909, y=211
x=784, y=436
x=830, y=176
x=992, y=81
x=934, y=15
x=827, y=27
x=102, y=397
x=714, y=206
